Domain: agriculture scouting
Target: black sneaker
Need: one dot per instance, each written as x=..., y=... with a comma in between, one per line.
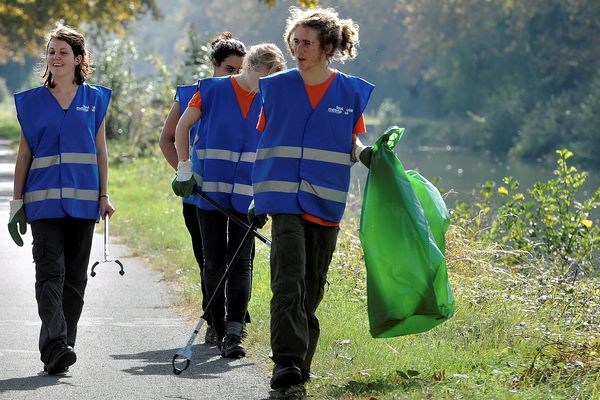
x=63, y=356
x=285, y=374
x=232, y=347
x=55, y=371
x=305, y=374
x=211, y=335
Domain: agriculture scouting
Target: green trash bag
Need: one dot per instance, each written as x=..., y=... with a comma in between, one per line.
x=402, y=227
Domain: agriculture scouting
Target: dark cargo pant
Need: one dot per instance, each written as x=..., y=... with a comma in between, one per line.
x=220, y=239
x=61, y=252
x=193, y=226
x=300, y=256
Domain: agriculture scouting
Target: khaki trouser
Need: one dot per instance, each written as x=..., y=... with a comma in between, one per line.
x=300, y=256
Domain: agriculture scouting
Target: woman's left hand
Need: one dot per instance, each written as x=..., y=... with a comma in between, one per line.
x=106, y=207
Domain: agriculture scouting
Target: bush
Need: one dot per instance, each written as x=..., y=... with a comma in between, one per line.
x=547, y=222
x=140, y=104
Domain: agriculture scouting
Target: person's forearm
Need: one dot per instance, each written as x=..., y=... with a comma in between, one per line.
x=102, y=155
x=102, y=160
x=167, y=136
x=22, y=164
x=169, y=151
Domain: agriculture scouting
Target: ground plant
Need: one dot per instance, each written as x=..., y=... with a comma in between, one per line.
x=521, y=331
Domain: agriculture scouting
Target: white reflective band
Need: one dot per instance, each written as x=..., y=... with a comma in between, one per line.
x=80, y=194
x=248, y=156
x=78, y=158
x=323, y=192
x=240, y=188
x=44, y=162
x=55, y=194
x=65, y=158
x=276, y=186
x=218, y=187
x=334, y=157
x=40, y=195
x=279, y=151
x=198, y=178
x=218, y=154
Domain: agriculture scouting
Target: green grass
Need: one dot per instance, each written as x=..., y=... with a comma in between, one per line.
x=506, y=341
x=9, y=125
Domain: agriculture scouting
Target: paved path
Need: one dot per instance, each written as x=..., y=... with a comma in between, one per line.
x=127, y=334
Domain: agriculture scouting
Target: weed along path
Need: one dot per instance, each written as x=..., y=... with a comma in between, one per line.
x=127, y=335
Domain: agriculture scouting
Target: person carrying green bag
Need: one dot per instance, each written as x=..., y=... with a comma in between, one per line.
x=402, y=229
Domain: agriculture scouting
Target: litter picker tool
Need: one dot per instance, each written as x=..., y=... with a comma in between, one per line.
x=185, y=353
x=106, y=259
x=233, y=217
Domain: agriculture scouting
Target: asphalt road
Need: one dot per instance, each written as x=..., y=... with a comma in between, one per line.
x=127, y=335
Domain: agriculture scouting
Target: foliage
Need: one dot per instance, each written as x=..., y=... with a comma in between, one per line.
x=518, y=333
x=197, y=64
x=9, y=125
x=513, y=64
x=23, y=24
x=548, y=222
x=138, y=105
x=301, y=3
x=387, y=115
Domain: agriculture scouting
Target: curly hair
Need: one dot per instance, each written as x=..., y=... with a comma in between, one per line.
x=341, y=34
x=76, y=40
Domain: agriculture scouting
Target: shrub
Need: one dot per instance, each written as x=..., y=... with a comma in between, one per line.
x=547, y=222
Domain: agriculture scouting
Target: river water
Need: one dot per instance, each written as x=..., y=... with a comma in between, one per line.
x=461, y=173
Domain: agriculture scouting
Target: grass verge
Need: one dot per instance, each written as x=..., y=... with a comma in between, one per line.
x=9, y=125
x=517, y=334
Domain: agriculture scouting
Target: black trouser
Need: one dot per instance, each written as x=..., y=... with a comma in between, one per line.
x=220, y=240
x=61, y=252
x=193, y=226
x=301, y=252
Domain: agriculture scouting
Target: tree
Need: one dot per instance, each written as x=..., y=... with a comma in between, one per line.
x=23, y=23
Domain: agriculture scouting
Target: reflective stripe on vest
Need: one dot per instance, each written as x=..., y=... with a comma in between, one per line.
x=55, y=194
x=303, y=158
x=226, y=147
x=73, y=158
x=63, y=178
x=218, y=154
x=245, y=190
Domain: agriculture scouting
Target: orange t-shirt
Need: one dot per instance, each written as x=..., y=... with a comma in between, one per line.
x=244, y=98
x=315, y=94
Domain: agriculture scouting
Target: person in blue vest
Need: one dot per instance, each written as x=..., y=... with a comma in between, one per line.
x=221, y=167
x=227, y=54
x=311, y=116
x=61, y=187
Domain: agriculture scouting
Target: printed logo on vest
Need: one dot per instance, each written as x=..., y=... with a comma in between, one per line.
x=340, y=110
x=87, y=108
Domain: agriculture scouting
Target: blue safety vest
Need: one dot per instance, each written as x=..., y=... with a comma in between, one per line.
x=303, y=157
x=226, y=146
x=183, y=95
x=63, y=177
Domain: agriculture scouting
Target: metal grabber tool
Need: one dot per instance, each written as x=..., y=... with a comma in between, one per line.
x=106, y=256
x=185, y=353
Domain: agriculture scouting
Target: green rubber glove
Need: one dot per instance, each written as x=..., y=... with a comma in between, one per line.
x=184, y=182
x=365, y=156
x=183, y=189
x=260, y=220
x=17, y=217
